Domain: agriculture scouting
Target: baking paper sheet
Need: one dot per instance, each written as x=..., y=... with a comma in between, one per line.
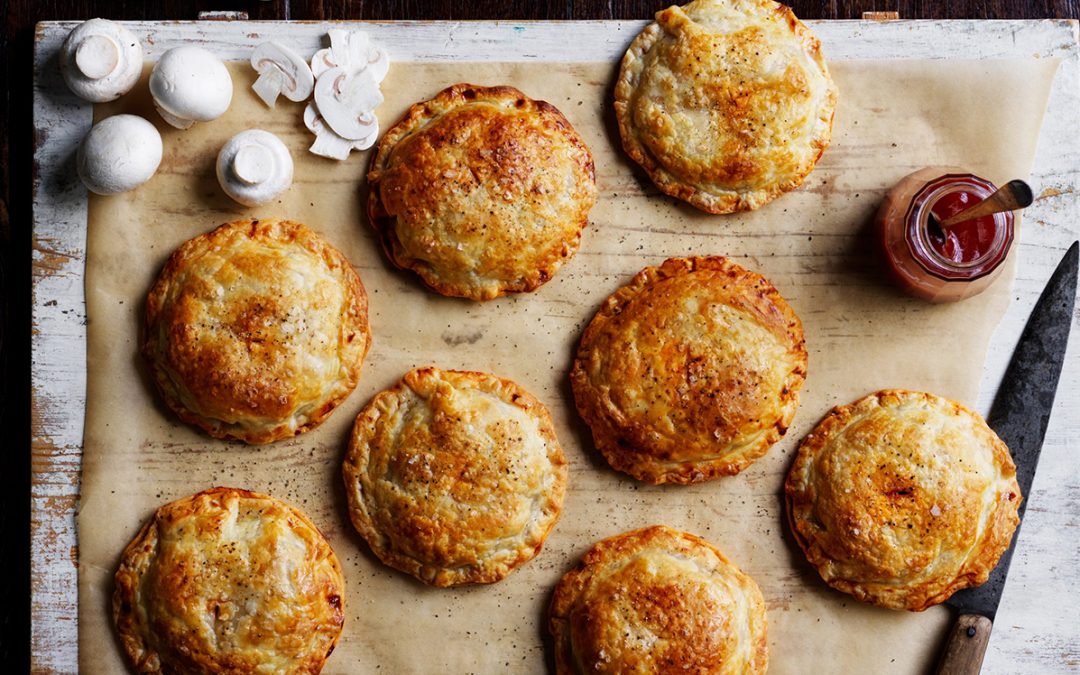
x=814, y=244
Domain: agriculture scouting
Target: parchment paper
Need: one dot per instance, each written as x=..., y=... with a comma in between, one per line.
x=862, y=335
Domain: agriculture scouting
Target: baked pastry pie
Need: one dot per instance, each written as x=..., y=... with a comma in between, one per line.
x=903, y=498
x=481, y=191
x=726, y=104
x=256, y=330
x=228, y=581
x=690, y=372
x=454, y=477
x=658, y=600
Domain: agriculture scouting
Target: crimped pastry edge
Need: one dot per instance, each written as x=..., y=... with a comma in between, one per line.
x=606, y=432
x=731, y=201
x=152, y=344
x=572, y=585
x=357, y=456
x=418, y=116
x=999, y=532
x=138, y=554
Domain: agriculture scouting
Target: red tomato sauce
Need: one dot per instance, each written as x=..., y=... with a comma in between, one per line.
x=965, y=241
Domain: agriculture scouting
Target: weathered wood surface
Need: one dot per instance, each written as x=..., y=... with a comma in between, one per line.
x=1035, y=630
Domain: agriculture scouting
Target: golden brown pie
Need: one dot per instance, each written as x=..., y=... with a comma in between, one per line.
x=229, y=581
x=903, y=498
x=690, y=372
x=658, y=600
x=481, y=191
x=454, y=477
x=726, y=104
x=256, y=330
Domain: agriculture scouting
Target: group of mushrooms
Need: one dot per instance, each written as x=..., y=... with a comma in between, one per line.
x=102, y=60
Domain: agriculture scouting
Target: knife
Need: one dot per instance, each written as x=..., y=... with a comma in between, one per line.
x=1019, y=415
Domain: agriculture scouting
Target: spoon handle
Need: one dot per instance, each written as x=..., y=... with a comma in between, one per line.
x=1016, y=194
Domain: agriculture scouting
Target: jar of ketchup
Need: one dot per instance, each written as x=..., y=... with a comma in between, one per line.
x=935, y=264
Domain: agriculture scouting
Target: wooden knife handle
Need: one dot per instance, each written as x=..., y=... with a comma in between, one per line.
x=966, y=646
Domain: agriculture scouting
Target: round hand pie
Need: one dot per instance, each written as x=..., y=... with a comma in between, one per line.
x=481, y=191
x=903, y=498
x=454, y=477
x=726, y=104
x=658, y=600
x=690, y=372
x=228, y=581
x=257, y=330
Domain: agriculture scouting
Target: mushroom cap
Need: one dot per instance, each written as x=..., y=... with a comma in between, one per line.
x=293, y=72
x=118, y=154
x=101, y=60
x=190, y=83
x=254, y=167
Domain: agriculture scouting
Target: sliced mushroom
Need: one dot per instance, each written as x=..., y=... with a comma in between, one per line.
x=281, y=71
x=336, y=55
x=118, y=154
x=101, y=60
x=329, y=144
x=254, y=167
x=378, y=63
x=346, y=99
x=189, y=84
x=351, y=50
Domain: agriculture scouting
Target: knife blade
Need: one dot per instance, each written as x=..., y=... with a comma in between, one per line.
x=1019, y=415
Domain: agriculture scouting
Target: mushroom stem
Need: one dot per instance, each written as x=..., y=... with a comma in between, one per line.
x=97, y=56
x=331, y=146
x=253, y=164
x=268, y=86
x=173, y=120
x=254, y=167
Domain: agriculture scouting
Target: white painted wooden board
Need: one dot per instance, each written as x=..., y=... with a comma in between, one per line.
x=1037, y=630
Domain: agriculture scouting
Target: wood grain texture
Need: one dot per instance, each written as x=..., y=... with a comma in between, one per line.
x=966, y=646
x=55, y=467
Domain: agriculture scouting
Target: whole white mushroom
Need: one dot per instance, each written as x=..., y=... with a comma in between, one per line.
x=101, y=60
x=118, y=154
x=254, y=167
x=189, y=84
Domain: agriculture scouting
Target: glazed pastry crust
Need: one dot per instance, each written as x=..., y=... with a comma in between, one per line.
x=903, y=498
x=482, y=191
x=727, y=104
x=690, y=372
x=256, y=330
x=228, y=581
x=658, y=600
x=454, y=477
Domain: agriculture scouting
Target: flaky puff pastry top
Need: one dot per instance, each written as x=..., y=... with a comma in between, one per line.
x=481, y=191
x=690, y=372
x=454, y=477
x=903, y=498
x=658, y=600
x=725, y=103
x=256, y=330
x=229, y=581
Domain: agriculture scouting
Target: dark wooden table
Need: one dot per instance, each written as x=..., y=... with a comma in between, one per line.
x=16, y=44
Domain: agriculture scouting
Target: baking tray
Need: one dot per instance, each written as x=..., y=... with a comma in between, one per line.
x=1031, y=635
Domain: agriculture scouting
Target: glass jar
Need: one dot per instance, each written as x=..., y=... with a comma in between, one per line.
x=934, y=264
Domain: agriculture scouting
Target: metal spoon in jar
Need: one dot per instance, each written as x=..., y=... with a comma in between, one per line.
x=1016, y=194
